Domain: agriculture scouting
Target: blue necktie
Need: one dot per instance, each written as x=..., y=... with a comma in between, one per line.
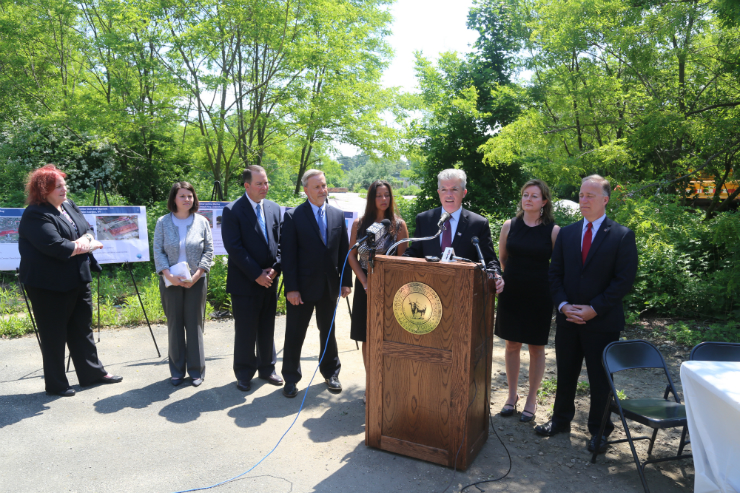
x=322, y=226
x=261, y=220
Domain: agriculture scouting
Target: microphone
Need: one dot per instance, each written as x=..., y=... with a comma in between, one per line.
x=374, y=232
x=443, y=219
x=476, y=243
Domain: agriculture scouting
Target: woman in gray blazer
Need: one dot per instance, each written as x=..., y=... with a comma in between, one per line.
x=184, y=236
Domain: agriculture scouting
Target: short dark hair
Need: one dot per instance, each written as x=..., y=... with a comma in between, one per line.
x=247, y=173
x=171, y=206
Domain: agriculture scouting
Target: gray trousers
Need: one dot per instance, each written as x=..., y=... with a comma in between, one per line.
x=184, y=309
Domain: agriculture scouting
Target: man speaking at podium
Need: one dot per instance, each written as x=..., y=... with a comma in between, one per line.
x=459, y=229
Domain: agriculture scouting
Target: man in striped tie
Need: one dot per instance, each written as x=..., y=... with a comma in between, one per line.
x=594, y=263
x=314, y=246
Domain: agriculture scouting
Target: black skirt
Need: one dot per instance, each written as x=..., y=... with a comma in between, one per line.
x=358, y=332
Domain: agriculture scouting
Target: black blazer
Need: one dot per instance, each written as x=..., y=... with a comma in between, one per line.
x=602, y=282
x=471, y=224
x=248, y=251
x=46, y=243
x=311, y=267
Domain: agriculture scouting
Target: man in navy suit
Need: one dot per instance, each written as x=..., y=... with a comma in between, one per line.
x=250, y=230
x=459, y=228
x=594, y=264
x=314, y=247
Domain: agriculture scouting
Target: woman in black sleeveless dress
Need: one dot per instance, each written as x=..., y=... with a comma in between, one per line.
x=525, y=306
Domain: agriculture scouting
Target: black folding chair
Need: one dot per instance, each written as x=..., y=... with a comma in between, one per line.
x=715, y=351
x=655, y=413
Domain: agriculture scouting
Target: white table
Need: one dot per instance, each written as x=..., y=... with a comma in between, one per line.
x=712, y=393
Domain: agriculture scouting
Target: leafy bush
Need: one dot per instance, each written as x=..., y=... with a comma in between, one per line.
x=15, y=325
x=688, y=266
x=10, y=301
x=407, y=210
x=688, y=335
x=410, y=190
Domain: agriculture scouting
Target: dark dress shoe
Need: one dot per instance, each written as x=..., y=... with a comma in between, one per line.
x=110, y=379
x=244, y=385
x=602, y=444
x=290, y=390
x=272, y=379
x=69, y=392
x=333, y=384
x=550, y=429
x=197, y=382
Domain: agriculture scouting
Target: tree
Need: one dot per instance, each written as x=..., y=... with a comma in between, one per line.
x=464, y=101
x=636, y=91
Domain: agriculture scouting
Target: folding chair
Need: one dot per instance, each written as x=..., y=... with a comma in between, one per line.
x=655, y=413
x=715, y=351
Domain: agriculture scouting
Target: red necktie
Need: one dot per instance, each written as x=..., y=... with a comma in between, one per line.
x=446, y=236
x=586, y=243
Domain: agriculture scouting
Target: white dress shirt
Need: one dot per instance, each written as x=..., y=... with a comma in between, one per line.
x=254, y=206
x=594, y=229
x=315, y=210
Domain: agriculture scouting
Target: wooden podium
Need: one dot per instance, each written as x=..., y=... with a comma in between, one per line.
x=428, y=394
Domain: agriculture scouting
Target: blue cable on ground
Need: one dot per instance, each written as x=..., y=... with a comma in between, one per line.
x=341, y=277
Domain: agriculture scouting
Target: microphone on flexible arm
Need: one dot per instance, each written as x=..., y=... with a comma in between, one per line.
x=375, y=230
x=443, y=219
x=476, y=243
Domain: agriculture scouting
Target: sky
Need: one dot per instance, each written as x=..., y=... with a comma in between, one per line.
x=429, y=26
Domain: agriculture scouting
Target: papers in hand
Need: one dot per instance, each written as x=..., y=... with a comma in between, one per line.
x=180, y=270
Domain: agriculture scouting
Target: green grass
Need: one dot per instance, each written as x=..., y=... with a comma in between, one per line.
x=550, y=386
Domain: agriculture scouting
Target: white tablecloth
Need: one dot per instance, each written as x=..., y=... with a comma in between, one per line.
x=712, y=393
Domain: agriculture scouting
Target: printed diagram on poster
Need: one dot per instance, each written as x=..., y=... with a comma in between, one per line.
x=121, y=229
x=214, y=211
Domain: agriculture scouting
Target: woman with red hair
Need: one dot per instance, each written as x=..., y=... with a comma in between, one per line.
x=56, y=244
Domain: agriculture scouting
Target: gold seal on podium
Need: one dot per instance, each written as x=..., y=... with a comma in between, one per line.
x=417, y=308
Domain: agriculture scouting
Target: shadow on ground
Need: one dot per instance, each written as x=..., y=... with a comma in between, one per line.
x=18, y=407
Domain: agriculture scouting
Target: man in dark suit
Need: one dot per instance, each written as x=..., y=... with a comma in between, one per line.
x=250, y=230
x=460, y=228
x=314, y=247
x=593, y=266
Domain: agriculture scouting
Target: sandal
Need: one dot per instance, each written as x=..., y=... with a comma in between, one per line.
x=527, y=416
x=509, y=409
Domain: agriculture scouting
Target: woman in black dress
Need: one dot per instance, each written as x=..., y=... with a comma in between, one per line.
x=525, y=306
x=380, y=205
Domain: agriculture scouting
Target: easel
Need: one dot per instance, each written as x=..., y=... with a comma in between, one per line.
x=217, y=194
x=100, y=191
x=28, y=307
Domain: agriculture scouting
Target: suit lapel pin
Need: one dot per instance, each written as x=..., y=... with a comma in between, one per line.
x=459, y=234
